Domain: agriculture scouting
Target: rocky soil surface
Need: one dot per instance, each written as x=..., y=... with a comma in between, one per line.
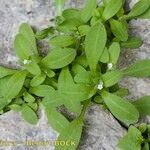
x=101, y=130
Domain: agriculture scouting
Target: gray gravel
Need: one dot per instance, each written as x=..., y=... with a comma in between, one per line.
x=101, y=130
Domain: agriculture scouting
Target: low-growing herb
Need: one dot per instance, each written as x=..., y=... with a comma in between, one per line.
x=79, y=69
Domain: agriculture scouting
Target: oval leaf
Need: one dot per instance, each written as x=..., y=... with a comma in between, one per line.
x=94, y=44
x=139, y=8
x=145, y=15
x=86, y=12
x=6, y=71
x=72, y=93
x=33, y=68
x=28, y=97
x=143, y=105
x=44, y=33
x=14, y=84
x=131, y=141
x=56, y=119
x=111, y=78
x=42, y=90
x=29, y=115
x=71, y=13
x=132, y=43
x=37, y=80
x=3, y=102
x=52, y=100
x=119, y=30
x=138, y=69
x=22, y=47
x=73, y=134
x=114, y=52
x=59, y=58
x=105, y=56
x=61, y=41
x=120, y=108
x=28, y=34
x=111, y=8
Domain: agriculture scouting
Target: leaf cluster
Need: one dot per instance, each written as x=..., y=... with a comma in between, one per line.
x=80, y=68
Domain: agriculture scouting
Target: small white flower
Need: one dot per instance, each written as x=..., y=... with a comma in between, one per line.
x=110, y=66
x=100, y=85
x=26, y=61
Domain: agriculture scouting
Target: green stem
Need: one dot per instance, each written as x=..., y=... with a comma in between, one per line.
x=85, y=106
x=59, y=6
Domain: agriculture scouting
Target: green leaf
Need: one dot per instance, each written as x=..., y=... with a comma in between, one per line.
x=111, y=8
x=69, y=25
x=86, y=12
x=53, y=99
x=33, y=68
x=73, y=134
x=105, y=2
x=49, y=73
x=22, y=47
x=29, y=115
x=98, y=99
x=120, y=108
x=81, y=60
x=132, y=140
x=94, y=21
x=59, y=58
x=71, y=13
x=143, y=105
x=28, y=97
x=139, y=8
x=69, y=89
x=41, y=90
x=83, y=77
x=15, y=107
x=18, y=101
x=25, y=43
x=83, y=29
x=65, y=79
x=61, y=41
x=14, y=84
x=114, y=52
x=112, y=77
x=146, y=146
x=37, y=80
x=28, y=34
x=143, y=127
x=6, y=71
x=122, y=92
x=3, y=102
x=72, y=93
x=119, y=30
x=34, y=106
x=94, y=44
x=120, y=13
x=76, y=68
x=145, y=15
x=56, y=119
x=3, y=82
x=132, y=43
x=105, y=56
x=44, y=33
x=138, y=69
